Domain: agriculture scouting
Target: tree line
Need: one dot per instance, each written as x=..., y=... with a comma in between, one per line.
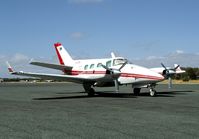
x=190, y=74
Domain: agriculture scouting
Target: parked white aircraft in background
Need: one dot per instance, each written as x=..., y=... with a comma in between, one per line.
x=105, y=72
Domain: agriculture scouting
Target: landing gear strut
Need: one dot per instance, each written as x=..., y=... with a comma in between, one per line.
x=89, y=90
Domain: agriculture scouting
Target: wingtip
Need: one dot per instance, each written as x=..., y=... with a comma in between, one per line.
x=9, y=67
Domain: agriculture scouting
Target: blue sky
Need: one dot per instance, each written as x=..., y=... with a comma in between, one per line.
x=135, y=29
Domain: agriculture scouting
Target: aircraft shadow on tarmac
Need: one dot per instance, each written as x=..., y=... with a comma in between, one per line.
x=98, y=94
x=173, y=93
x=109, y=94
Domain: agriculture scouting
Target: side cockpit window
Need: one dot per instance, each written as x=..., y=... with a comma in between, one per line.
x=99, y=65
x=92, y=66
x=108, y=63
x=85, y=67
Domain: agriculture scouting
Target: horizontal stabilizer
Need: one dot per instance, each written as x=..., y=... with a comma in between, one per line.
x=51, y=66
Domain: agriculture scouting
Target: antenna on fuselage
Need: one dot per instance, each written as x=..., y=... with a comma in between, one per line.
x=112, y=55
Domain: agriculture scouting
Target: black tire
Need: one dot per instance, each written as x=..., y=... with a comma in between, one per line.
x=136, y=91
x=91, y=92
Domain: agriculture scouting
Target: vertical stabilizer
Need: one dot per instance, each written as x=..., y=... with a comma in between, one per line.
x=63, y=55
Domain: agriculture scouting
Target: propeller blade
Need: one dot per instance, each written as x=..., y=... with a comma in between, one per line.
x=105, y=67
x=163, y=66
x=176, y=67
x=116, y=86
x=123, y=65
x=115, y=72
x=169, y=82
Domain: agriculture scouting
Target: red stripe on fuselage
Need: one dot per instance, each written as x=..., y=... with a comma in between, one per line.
x=127, y=75
x=141, y=76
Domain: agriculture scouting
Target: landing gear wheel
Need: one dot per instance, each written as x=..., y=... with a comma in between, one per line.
x=152, y=92
x=91, y=92
x=136, y=91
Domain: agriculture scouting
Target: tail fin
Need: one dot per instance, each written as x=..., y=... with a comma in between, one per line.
x=63, y=55
x=10, y=69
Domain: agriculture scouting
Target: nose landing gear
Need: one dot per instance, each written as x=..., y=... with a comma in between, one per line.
x=151, y=87
x=152, y=92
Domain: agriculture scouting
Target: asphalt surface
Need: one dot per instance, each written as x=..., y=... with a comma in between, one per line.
x=61, y=110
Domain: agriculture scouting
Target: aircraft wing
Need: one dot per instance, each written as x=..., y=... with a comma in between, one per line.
x=58, y=77
x=51, y=66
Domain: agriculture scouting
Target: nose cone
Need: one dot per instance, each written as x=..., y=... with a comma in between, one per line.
x=141, y=74
x=155, y=76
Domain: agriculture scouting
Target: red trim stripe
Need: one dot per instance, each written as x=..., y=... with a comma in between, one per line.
x=58, y=54
x=127, y=75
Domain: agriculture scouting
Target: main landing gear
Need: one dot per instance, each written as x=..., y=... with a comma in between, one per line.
x=89, y=90
x=152, y=91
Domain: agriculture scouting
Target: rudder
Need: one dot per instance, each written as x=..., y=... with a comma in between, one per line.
x=63, y=55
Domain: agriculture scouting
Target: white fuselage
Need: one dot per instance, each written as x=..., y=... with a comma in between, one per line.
x=130, y=73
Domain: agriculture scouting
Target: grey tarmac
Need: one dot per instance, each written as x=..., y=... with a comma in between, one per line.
x=62, y=110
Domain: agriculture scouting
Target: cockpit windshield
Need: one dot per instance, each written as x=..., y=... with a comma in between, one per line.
x=119, y=61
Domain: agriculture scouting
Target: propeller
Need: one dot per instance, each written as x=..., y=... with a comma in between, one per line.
x=116, y=73
x=168, y=72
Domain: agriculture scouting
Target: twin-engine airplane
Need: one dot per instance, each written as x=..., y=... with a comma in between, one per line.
x=114, y=71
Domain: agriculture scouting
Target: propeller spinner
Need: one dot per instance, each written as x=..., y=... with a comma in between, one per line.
x=116, y=73
x=168, y=72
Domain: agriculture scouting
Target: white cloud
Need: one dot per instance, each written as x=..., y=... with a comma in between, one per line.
x=84, y=1
x=154, y=57
x=2, y=56
x=77, y=35
x=20, y=62
x=181, y=58
x=17, y=58
x=179, y=51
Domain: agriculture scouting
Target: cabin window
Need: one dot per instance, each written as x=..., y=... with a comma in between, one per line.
x=91, y=66
x=118, y=62
x=108, y=63
x=85, y=67
x=99, y=65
